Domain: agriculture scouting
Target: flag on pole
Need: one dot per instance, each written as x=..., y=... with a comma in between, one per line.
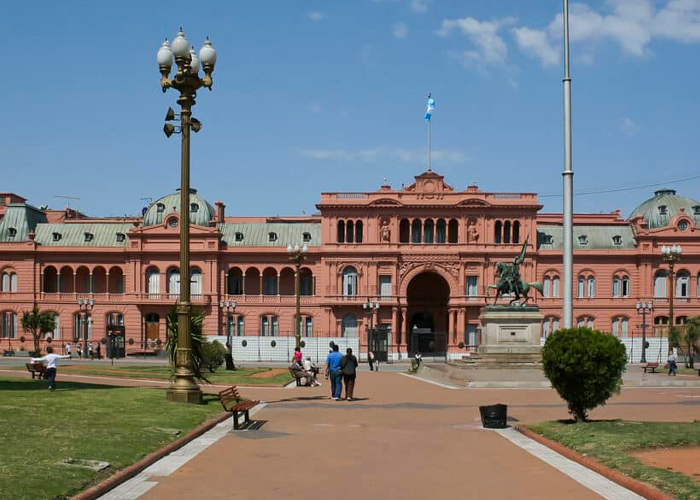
x=431, y=108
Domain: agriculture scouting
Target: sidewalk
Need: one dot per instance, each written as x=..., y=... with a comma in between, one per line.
x=403, y=438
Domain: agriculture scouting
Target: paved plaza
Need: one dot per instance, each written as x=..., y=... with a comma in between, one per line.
x=404, y=438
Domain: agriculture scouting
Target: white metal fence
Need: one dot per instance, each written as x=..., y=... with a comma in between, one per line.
x=280, y=349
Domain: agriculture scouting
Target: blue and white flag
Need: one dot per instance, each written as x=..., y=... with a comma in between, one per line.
x=431, y=108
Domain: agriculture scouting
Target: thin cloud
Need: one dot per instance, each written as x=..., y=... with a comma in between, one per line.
x=399, y=30
x=315, y=15
x=629, y=127
x=487, y=47
x=631, y=24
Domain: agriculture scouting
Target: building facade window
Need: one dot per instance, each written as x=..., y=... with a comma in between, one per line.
x=349, y=326
x=269, y=326
x=153, y=283
x=660, y=280
x=620, y=327
x=79, y=326
x=350, y=281
x=416, y=229
x=385, y=286
x=308, y=327
x=114, y=318
x=235, y=282
x=585, y=321
x=306, y=283
x=472, y=286
x=441, y=231
x=240, y=326
x=270, y=285
x=196, y=282
x=472, y=335
x=429, y=231
x=621, y=286
x=9, y=282
x=174, y=283
x=683, y=284
x=8, y=328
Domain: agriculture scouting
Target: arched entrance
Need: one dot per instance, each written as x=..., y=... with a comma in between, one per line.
x=152, y=330
x=428, y=294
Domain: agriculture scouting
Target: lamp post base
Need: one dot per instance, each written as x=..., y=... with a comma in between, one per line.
x=183, y=395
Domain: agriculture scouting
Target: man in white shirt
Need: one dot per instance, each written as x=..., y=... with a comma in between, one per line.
x=50, y=359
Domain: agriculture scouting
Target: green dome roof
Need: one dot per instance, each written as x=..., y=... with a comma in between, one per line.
x=201, y=212
x=664, y=206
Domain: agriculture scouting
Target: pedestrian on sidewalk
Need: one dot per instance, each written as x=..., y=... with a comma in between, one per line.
x=80, y=351
x=333, y=372
x=672, y=366
x=50, y=359
x=90, y=351
x=348, y=366
x=371, y=360
x=99, y=351
x=297, y=355
x=68, y=348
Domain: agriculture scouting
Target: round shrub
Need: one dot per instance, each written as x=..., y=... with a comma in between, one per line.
x=213, y=355
x=585, y=367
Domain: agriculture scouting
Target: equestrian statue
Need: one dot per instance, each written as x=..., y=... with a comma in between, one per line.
x=510, y=283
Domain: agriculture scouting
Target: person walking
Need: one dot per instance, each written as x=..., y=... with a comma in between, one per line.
x=50, y=359
x=80, y=351
x=333, y=372
x=98, y=351
x=371, y=360
x=68, y=348
x=672, y=366
x=348, y=366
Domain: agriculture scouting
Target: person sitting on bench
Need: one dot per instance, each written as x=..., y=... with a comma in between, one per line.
x=299, y=372
x=310, y=368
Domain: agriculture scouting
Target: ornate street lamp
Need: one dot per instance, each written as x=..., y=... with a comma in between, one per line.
x=671, y=255
x=187, y=81
x=297, y=255
x=86, y=306
x=228, y=308
x=644, y=308
x=370, y=308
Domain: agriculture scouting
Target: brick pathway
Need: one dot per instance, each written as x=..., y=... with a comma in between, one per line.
x=404, y=439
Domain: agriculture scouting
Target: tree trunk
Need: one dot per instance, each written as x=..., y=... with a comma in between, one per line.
x=36, y=342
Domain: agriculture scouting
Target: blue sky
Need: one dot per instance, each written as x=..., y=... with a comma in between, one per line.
x=330, y=96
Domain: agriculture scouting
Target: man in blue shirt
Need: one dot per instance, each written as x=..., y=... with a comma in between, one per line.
x=333, y=371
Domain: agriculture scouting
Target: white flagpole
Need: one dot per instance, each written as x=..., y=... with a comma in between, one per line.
x=430, y=126
x=568, y=178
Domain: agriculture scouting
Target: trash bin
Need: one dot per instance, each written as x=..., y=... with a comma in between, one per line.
x=494, y=416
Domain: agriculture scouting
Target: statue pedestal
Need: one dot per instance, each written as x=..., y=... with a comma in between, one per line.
x=510, y=330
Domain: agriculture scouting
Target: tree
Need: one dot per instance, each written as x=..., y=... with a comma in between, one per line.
x=213, y=355
x=38, y=324
x=686, y=339
x=585, y=367
x=196, y=326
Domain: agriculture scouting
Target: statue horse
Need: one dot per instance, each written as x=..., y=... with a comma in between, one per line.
x=518, y=288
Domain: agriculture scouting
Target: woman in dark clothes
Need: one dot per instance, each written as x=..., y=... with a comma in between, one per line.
x=348, y=367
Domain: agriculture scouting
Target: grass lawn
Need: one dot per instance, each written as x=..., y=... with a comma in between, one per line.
x=610, y=441
x=39, y=429
x=241, y=376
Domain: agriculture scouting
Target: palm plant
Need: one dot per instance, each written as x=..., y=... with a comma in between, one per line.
x=692, y=335
x=196, y=327
x=38, y=324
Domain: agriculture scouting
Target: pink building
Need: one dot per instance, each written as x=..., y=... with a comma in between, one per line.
x=426, y=253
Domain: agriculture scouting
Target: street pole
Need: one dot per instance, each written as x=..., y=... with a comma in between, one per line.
x=187, y=82
x=643, y=308
x=568, y=178
x=228, y=309
x=297, y=255
x=671, y=254
x=85, y=306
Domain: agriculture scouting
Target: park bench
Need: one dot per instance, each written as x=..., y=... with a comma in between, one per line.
x=299, y=376
x=231, y=401
x=37, y=369
x=650, y=367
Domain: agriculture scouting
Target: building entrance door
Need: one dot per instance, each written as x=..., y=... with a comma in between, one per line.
x=428, y=296
x=152, y=330
x=379, y=342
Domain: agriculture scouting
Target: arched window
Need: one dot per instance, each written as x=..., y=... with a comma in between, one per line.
x=497, y=232
x=404, y=231
x=79, y=327
x=428, y=231
x=349, y=232
x=9, y=281
x=546, y=284
x=620, y=326
x=581, y=290
x=586, y=321
x=350, y=281
x=516, y=232
x=506, y=232
x=590, y=286
x=358, y=231
x=8, y=326
x=626, y=286
x=269, y=326
x=452, y=231
x=441, y=233
x=235, y=282
x=617, y=287
x=114, y=318
x=153, y=283
x=555, y=286
x=240, y=326
x=50, y=280
x=270, y=282
x=683, y=284
x=196, y=282
x=306, y=282
x=660, y=280
x=416, y=231
x=174, y=283
x=341, y=231
x=307, y=327
x=621, y=286
x=349, y=326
